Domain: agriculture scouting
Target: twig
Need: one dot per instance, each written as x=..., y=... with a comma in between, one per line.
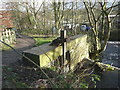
x=31, y=62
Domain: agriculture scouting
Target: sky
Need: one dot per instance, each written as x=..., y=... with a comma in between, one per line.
x=0, y=4
x=51, y=0
x=40, y=1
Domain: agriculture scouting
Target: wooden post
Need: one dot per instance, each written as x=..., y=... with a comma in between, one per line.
x=63, y=36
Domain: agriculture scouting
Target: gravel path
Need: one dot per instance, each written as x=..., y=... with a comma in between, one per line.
x=23, y=43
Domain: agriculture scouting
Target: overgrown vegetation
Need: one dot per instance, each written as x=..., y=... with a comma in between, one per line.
x=13, y=77
x=36, y=21
x=22, y=76
x=4, y=47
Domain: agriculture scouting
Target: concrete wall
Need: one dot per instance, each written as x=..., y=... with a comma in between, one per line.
x=78, y=48
x=45, y=54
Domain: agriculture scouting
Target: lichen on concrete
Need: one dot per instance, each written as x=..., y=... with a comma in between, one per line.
x=78, y=48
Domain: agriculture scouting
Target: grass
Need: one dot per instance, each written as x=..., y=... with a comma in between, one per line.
x=4, y=48
x=40, y=41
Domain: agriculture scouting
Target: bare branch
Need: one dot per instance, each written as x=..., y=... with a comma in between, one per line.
x=88, y=14
x=93, y=15
x=114, y=17
x=113, y=6
x=31, y=62
x=39, y=8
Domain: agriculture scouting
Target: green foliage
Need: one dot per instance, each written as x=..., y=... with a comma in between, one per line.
x=53, y=68
x=71, y=80
x=65, y=80
x=94, y=79
x=109, y=68
x=21, y=85
x=12, y=79
x=4, y=47
x=32, y=31
x=38, y=31
x=84, y=85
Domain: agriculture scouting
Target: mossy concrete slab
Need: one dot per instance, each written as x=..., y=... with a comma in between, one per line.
x=78, y=48
x=45, y=54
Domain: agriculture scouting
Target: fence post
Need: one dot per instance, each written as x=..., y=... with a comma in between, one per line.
x=8, y=36
x=63, y=36
x=9, y=33
x=1, y=39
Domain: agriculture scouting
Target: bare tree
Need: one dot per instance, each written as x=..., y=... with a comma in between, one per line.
x=33, y=8
x=101, y=19
x=58, y=13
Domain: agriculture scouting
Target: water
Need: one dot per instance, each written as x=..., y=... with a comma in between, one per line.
x=111, y=79
x=112, y=54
